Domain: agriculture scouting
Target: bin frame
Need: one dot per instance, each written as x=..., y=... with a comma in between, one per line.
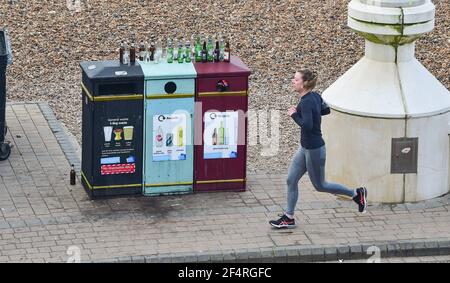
x=233, y=100
x=94, y=106
x=155, y=75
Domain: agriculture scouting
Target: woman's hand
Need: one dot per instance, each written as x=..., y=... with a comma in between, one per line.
x=292, y=110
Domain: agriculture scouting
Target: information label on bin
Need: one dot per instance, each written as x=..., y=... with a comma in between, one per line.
x=118, y=152
x=169, y=137
x=220, y=135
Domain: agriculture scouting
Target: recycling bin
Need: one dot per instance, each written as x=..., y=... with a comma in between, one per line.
x=112, y=128
x=5, y=58
x=168, y=130
x=221, y=128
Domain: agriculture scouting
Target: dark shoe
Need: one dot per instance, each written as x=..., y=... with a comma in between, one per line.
x=361, y=199
x=283, y=222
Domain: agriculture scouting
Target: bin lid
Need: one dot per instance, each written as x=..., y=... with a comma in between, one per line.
x=164, y=70
x=111, y=70
x=235, y=68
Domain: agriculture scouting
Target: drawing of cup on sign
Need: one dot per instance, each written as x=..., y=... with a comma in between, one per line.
x=118, y=133
x=128, y=133
x=107, y=131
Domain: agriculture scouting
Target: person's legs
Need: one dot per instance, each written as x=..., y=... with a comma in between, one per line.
x=296, y=170
x=315, y=164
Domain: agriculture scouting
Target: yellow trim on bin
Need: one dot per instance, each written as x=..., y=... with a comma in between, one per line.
x=168, y=184
x=119, y=97
x=86, y=181
x=163, y=96
x=108, y=187
x=111, y=97
x=225, y=93
x=221, y=181
x=87, y=92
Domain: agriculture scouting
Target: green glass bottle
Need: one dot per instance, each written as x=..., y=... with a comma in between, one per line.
x=188, y=52
x=170, y=53
x=180, y=53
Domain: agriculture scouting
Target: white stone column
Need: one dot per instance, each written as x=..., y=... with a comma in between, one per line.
x=388, y=94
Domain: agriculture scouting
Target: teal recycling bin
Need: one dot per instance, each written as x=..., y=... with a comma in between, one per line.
x=168, y=128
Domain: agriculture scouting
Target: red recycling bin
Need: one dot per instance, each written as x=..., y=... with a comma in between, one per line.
x=220, y=145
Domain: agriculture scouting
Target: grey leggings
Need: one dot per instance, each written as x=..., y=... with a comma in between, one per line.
x=313, y=161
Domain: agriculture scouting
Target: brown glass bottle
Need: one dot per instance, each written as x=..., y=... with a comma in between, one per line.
x=152, y=51
x=141, y=51
x=72, y=176
x=217, y=53
x=227, y=53
x=204, y=53
x=132, y=53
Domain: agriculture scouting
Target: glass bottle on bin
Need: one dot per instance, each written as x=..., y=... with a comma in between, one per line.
x=132, y=53
x=152, y=51
x=198, y=50
x=121, y=52
x=204, y=53
x=141, y=51
x=217, y=52
x=227, y=53
x=180, y=52
x=126, y=54
x=188, y=52
x=170, y=53
x=210, y=48
x=222, y=49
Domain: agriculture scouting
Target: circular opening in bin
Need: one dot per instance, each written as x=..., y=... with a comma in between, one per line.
x=170, y=87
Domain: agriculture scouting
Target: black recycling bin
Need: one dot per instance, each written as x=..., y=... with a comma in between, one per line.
x=5, y=148
x=112, y=129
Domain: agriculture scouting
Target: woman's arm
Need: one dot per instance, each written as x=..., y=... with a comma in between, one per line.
x=306, y=121
x=324, y=108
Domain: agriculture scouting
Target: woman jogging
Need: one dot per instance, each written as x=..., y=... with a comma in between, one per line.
x=310, y=157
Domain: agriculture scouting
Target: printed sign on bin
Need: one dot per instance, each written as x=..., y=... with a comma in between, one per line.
x=169, y=137
x=118, y=152
x=220, y=135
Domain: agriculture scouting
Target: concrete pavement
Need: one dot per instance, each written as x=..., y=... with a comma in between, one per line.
x=44, y=219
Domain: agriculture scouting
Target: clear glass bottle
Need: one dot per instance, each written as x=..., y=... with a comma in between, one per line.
x=222, y=49
x=126, y=54
x=198, y=49
x=210, y=48
x=158, y=52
